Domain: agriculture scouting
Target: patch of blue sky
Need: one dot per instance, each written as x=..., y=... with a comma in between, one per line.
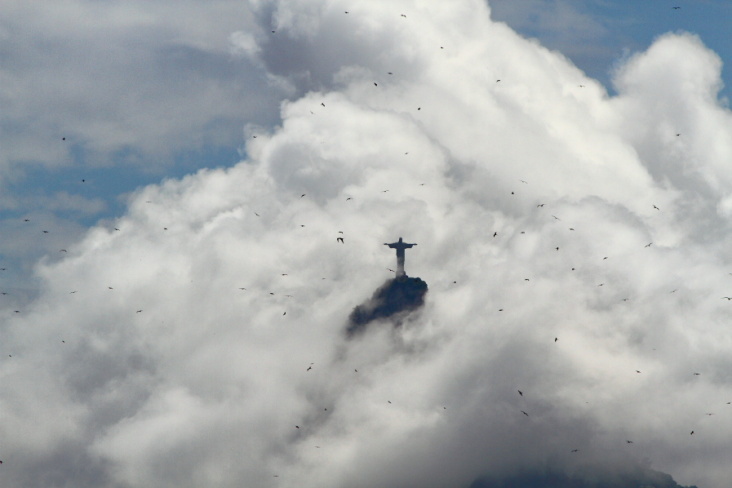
x=598, y=34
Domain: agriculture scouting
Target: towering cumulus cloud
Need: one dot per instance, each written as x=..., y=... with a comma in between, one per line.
x=576, y=245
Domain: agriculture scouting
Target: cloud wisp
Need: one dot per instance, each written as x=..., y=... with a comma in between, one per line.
x=575, y=246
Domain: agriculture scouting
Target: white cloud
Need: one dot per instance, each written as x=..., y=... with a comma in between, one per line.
x=206, y=384
x=124, y=82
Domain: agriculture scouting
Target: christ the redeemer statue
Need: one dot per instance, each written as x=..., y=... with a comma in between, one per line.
x=400, y=247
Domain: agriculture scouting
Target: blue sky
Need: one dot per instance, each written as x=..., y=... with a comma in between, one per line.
x=174, y=180
x=597, y=34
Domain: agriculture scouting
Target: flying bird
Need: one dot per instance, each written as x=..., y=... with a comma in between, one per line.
x=524, y=413
x=575, y=450
x=649, y=244
x=629, y=442
x=656, y=208
x=520, y=392
x=728, y=298
x=340, y=239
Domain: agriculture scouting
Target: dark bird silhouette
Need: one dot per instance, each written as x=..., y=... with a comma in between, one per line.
x=45, y=232
x=692, y=433
x=520, y=392
x=540, y=205
x=322, y=104
x=524, y=413
x=339, y=239
x=697, y=374
x=556, y=217
x=556, y=339
x=649, y=244
x=575, y=450
x=349, y=198
x=138, y=311
x=284, y=313
x=728, y=298
x=495, y=234
x=676, y=8
x=302, y=195
x=297, y=426
x=375, y=84
x=62, y=250
x=628, y=442
x=656, y=208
